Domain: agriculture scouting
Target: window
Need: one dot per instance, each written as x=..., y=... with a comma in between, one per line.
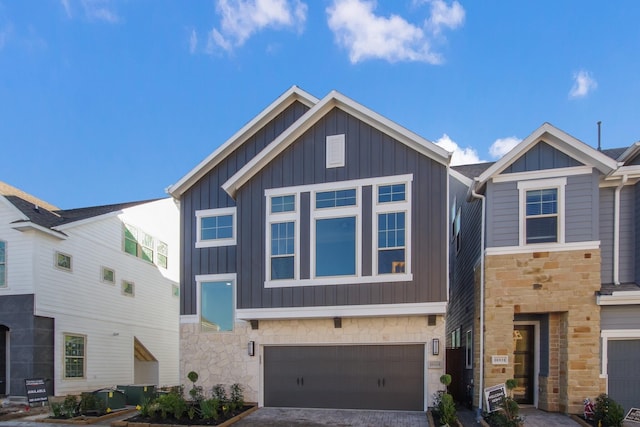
x=108, y=275
x=145, y=246
x=333, y=213
x=175, y=291
x=216, y=302
x=74, y=356
x=216, y=227
x=282, y=232
x=456, y=230
x=3, y=264
x=128, y=288
x=335, y=224
x=541, y=204
x=455, y=338
x=163, y=254
x=392, y=212
x=63, y=261
x=469, y=351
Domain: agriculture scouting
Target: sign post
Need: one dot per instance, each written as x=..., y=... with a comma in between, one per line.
x=36, y=391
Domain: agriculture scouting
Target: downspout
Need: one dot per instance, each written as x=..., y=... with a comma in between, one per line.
x=481, y=332
x=616, y=230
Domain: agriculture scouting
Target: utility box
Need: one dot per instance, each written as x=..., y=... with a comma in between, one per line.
x=135, y=394
x=113, y=399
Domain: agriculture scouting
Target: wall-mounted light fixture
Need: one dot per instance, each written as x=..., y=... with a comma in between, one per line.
x=251, y=348
x=435, y=346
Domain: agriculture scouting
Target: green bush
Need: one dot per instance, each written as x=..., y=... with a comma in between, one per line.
x=70, y=407
x=508, y=416
x=219, y=392
x=237, y=396
x=171, y=404
x=90, y=404
x=607, y=412
x=209, y=409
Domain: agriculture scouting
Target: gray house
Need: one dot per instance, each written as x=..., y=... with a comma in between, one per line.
x=544, y=262
x=315, y=259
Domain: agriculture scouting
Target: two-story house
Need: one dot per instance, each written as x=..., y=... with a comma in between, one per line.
x=88, y=297
x=314, y=259
x=542, y=240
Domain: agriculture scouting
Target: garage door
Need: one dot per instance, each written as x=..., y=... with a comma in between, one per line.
x=624, y=372
x=348, y=377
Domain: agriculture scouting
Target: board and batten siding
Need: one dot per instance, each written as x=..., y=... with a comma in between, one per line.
x=581, y=211
x=636, y=205
x=541, y=156
x=207, y=193
x=369, y=153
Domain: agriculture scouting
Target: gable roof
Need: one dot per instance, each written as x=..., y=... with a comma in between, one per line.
x=629, y=153
x=566, y=143
x=319, y=110
x=37, y=213
x=292, y=95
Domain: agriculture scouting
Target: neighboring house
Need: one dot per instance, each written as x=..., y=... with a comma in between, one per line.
x=314, y=259
x=88, y=297
x=547, y=268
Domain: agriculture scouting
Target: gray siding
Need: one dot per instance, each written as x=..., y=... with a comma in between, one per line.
x=627, y=265
x=581, y=211
x=369, y=153
x=619, y=317
x=541, y=156
x=581, y=208
x=502, y=214
x=636, y=205
x=208, y=194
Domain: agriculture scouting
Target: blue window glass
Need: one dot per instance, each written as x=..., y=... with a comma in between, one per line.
x=336, y=247
x=542, y=216
x=391, y=193
x=334, y=199
x=216, y=306
x=283, y=203
x=282, y=250
x=216, y=227
x=391, y=242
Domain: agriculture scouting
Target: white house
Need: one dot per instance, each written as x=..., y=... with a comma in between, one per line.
x=89, y=297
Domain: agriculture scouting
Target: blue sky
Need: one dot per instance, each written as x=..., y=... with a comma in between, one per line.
x=111, y=101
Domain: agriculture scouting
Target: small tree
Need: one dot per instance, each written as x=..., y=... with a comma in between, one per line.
x=607, y=412
x=196, y=391
x=446, y=406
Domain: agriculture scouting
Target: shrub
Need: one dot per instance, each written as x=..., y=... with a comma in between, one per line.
x=445, y=406
x=237, y=396
x=509, y=409
x=171, y=404
x=607, y=412
x=209, y=409
x=70, y=407
x=89, y=403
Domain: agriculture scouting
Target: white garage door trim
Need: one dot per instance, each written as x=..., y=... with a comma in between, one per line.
x=614, y=334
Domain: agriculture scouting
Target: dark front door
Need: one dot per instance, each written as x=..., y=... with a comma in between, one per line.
x=524, y=363
x=354, y=377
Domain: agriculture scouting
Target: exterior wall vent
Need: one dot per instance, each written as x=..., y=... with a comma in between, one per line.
x=335, y=151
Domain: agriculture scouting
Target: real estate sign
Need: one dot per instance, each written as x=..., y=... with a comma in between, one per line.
x=493, y=397
x=633, y=415
x=36, y=391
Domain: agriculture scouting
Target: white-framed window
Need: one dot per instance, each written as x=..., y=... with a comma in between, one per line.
x=216, y=302
x=282, y=236
x=455, y=338
x=392, y=222
x=335, y=232
x=542, y=211
x=62, y=261
x=143, y=245
x=108, y=275
x=128, y=288
x=216, y=227
x=469, y=350
x=3, y=264
x=75, y=347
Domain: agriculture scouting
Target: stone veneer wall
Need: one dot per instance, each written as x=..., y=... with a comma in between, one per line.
x=561, y=284
x=222, y=358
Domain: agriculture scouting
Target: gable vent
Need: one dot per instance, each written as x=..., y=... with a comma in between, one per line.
x=335, y=151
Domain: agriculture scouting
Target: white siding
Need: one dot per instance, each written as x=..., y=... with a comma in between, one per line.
x=82, y=304
x=19, y=253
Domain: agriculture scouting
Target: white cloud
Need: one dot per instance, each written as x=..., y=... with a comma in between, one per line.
x=242, y=18
x=583, y=84
x=366, y=35
x=461, y=156
x=445, y=16
x=94, y=10
x=193, y=41
x=502, y=146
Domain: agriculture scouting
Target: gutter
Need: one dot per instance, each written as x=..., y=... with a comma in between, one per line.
x=616, y=230
x=481, y=332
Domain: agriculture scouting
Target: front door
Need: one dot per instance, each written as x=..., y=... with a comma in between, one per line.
x=524, y=363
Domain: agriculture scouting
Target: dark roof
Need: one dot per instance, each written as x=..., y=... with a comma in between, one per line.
x=48, y=216
x=610, y=288
x=474, y=170
x=614, y=153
